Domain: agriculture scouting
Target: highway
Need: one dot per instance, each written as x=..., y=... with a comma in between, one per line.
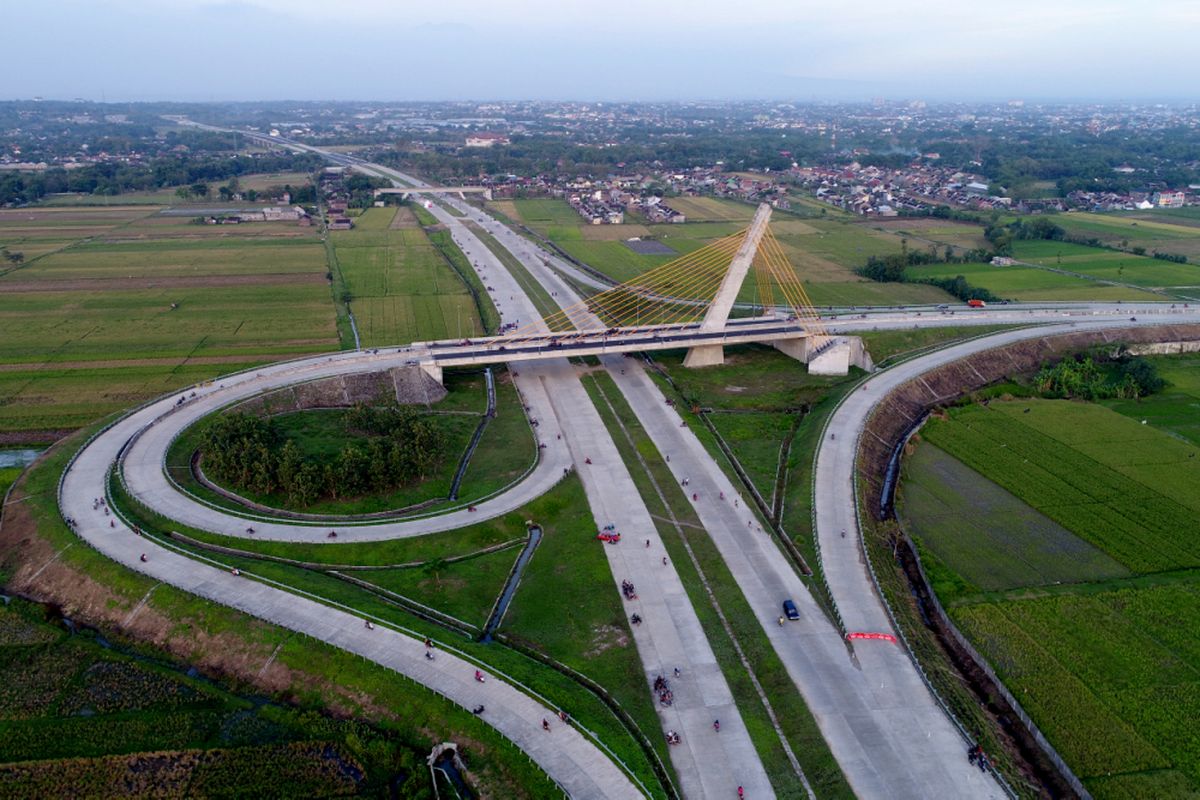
x=883, y=725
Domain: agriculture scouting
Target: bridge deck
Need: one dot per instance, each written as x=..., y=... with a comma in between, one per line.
x=618, y=340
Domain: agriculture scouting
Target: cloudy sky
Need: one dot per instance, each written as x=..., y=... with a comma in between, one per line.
x=600, y=49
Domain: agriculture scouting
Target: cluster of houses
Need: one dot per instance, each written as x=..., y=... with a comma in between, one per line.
x=1143, y=200
x=280, y=213
x=886, y=192
x=331, y=187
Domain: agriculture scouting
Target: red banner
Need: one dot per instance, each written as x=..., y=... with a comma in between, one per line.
x=887, y=637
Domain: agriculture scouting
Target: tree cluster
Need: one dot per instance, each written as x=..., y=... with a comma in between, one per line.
x=111, y=178
x=1084, y=378
x=250, y=454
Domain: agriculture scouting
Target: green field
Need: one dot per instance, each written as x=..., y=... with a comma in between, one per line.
x=402, y=289
x=987, y=536
x=119, y=307
x=1019, y=282
x=1061, y=536
x=1176, y=409
x=1126, y=488
x=1108, y=264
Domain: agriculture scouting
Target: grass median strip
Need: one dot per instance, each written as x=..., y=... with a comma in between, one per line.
x=555, y=686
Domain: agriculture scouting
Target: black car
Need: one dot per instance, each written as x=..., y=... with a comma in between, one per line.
x=790, y=611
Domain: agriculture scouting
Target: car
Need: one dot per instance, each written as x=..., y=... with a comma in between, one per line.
x=943, y=307
x=790, y=611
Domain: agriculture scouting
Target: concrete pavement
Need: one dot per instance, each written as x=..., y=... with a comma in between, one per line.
x=577, y=764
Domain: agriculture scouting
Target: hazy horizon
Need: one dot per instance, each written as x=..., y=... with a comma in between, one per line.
x=306, y=50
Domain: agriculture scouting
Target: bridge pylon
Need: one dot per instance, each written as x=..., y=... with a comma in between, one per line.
x=717, y=316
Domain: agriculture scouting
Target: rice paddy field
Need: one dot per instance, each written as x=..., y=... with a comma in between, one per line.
x=1108, y=264
x=1167, y=230
x=112, y=306
x=1061, y=536
x=1021, y=282
x=402, y=287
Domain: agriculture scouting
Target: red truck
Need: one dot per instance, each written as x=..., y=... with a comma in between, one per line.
x=976, y=303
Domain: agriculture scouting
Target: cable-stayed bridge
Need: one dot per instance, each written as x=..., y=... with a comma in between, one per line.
x=684, y=303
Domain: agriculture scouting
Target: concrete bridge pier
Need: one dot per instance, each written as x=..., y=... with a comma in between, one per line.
x=433, y=370
x=705, y=355
x=830, y=355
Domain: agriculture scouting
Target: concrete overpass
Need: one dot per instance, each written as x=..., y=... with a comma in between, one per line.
x=460, y=190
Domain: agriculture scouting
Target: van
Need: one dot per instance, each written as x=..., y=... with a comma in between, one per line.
x=790, y=611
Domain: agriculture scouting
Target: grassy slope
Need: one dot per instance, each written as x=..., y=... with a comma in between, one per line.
x=314, y=674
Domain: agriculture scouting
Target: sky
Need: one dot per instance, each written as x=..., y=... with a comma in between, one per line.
x=796, y=50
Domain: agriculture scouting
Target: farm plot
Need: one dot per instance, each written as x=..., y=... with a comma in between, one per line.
x=1085, y=467
x=542, y=213
x=711, y=209
x=1176, y=408
x=1019, y=282
x=990, y=538
x=102, y=325
x=1111, y=678
x=1108, y=264
x=921, y=232
x=401, y=287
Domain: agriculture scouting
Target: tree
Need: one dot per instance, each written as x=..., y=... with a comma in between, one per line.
x=199, y=189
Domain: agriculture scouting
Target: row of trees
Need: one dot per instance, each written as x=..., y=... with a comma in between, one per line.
x=250, y=454
x=1084, y=378
x=893, y=268
x=112, y=178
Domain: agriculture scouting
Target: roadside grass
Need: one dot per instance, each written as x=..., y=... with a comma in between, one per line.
x=713, y=594
x=464, y=589
x=753, y=378
x=560, y=507
x=315, y=675
x=886, y=346
x=756, y=440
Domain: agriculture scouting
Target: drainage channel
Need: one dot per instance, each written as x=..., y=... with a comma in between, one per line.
x=488, y=415
x=510, y=587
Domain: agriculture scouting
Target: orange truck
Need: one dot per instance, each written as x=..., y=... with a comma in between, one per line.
x=976, y=303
